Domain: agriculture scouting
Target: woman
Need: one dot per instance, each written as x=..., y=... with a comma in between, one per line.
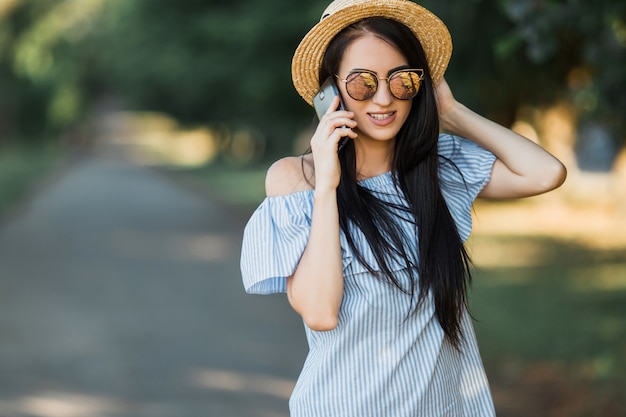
x=367, y=242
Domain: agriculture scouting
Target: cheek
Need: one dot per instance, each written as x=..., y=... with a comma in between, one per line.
x=360, y=116
x=405, y=110
x=358, y=107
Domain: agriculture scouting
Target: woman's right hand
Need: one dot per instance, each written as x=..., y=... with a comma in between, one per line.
x=333, y=126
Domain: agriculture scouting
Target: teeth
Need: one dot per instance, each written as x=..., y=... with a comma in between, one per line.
x=381, y=116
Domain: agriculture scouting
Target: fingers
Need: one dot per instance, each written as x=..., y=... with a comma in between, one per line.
x=334, y=125
x=337, y=122
x=336, y=110
x=332, y=128
x=338, y=118
x=334, y=105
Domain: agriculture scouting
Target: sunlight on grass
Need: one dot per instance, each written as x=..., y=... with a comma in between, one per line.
x=607, y=277
x=550, y=321
x=155, y=139
x=490, y=252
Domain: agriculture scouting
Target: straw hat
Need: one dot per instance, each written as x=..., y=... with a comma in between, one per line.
x=429, y=29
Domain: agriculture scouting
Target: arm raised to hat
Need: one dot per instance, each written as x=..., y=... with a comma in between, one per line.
x=522, y=168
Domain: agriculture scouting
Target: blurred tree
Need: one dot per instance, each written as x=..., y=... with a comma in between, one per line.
x=41, y=65
x=585, y=42
x=228, y=63
x=513, y=53
x=209, y=61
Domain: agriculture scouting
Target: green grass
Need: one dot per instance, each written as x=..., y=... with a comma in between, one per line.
x=20, y=169
x=535, y=316
x=569, y=307
x=562, y=320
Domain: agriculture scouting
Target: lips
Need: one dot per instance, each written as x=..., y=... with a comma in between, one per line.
x=382, y=119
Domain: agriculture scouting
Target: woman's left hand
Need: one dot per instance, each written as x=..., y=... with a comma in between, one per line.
x=445, y=102
x=522, y=169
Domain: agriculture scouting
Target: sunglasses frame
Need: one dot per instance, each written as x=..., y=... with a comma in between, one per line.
x=378, y=79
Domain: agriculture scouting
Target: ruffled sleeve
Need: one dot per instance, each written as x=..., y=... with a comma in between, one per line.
x=465, y=169
x=273, y=242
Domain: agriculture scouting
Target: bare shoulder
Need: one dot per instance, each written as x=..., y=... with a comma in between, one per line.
x=289, y=175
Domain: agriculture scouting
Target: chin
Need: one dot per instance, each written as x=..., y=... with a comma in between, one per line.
x=380, y=136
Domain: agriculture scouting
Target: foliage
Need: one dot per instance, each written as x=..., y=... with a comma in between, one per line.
x=42, y=64
x=228, y=63
x=209, y=61
x=511, y=53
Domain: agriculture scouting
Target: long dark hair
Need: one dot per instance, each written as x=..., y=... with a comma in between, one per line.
x=444, y=265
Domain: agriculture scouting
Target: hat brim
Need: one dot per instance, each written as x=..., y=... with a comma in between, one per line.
x=428, y=28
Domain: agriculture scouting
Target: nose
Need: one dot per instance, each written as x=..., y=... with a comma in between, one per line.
x=383, y=95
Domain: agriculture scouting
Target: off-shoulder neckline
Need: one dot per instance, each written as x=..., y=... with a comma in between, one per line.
x=372, y=183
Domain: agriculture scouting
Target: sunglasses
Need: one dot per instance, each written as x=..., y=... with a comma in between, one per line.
x=403, y=84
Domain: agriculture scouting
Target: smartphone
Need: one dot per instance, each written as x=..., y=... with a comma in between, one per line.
x=324, y=98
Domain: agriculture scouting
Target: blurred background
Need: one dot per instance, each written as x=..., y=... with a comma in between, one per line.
x=134, y=138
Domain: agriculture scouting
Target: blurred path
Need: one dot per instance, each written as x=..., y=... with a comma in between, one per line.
x=120, y=295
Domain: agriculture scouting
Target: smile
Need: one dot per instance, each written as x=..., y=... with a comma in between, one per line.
x=382, y=116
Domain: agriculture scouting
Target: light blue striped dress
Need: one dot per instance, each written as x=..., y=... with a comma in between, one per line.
x=376, y=362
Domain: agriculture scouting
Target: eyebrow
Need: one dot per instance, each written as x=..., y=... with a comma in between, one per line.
x=391, y=71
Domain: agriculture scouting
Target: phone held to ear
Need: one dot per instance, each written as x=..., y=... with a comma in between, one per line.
x=322, y=101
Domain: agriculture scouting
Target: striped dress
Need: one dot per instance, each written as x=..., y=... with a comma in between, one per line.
x=376, y=362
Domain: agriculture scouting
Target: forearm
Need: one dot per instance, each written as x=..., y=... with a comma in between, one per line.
x=315, y=290
x=530, y=169
x=516, y=151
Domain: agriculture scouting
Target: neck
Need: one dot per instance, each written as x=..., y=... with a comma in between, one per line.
x=373, y=158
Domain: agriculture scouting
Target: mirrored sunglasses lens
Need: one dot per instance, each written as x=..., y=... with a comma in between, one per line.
x=361, y=85
x=404, y=85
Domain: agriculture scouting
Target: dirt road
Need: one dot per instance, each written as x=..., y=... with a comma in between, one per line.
x=120, y=296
